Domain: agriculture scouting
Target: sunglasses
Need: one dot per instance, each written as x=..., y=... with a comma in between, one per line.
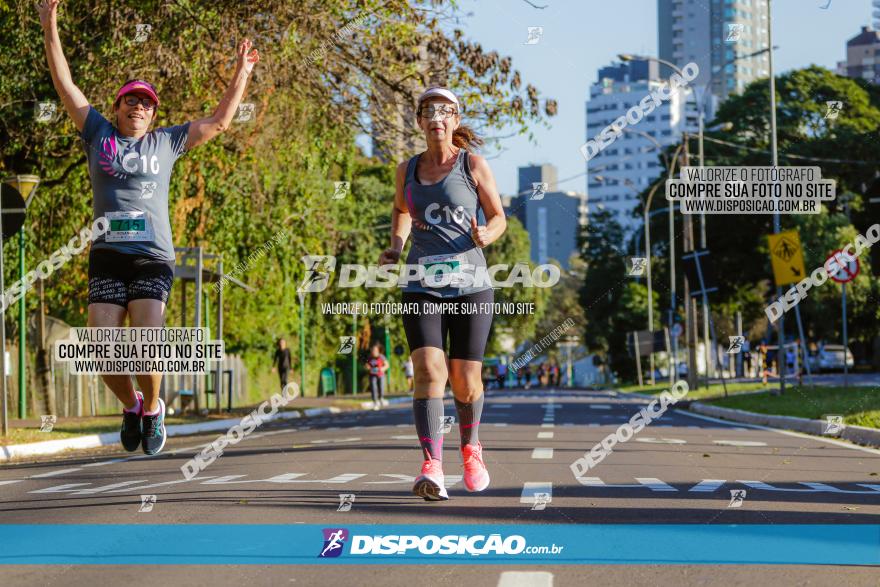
x=132, y=100
x=431, y=111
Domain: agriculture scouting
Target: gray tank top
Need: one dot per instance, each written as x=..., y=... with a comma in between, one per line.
x=441, y=231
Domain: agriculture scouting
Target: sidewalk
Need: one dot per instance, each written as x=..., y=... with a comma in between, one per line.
x=96, y=431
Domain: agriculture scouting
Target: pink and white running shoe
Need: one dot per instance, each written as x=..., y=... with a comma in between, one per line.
x=476, y=477
x=429, y=485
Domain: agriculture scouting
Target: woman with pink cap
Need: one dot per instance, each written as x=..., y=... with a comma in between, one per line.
x=440, y=195
x=131, y=267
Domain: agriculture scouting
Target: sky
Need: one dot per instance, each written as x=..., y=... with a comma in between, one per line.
x=580, y=36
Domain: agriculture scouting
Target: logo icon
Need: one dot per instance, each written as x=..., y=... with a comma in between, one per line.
x=637, y=266
x=535, y=34
x=833, y=108
x=737, y=497
x=142, y=32
x=148, y=188
x=47, y=423
x=340, y=189
x=147, y=503
x=541, y=501
x=833, y=425
x=334, y=540
x=346, y=345
x=734, y=32
x=736, y=343
x=446, y=423
x=245, y=112
x=44, y=112
x=538, y=190
x=318, y=270
x=345, y=502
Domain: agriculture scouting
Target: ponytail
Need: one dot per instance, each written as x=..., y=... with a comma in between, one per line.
x=465, y=138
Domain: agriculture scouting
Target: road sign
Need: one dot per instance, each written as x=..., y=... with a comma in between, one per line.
x=13, y=210
x=846, y=269
x=786, y=257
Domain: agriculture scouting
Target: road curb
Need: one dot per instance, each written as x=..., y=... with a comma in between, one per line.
x=856, y=434
x=50, y=447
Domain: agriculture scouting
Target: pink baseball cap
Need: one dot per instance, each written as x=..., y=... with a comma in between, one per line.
x=137, y=86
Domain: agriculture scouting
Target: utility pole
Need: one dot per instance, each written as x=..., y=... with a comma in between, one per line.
x=690, y=316
x=780, y=358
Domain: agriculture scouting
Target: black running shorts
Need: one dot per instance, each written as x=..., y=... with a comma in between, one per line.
x=467, y=332
x=118, y=278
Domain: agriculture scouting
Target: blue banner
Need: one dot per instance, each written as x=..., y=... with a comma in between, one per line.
x=22, y=544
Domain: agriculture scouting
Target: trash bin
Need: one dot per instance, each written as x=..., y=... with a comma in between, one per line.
x=328, y=381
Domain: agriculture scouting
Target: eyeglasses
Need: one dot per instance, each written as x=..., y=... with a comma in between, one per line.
x=431, y=111
x=132, y=100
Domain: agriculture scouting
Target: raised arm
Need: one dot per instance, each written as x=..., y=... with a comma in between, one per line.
x=73, y=99
x=401, y=221
x=205, y=129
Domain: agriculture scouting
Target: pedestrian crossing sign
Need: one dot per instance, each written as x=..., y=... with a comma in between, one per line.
x=786, y=257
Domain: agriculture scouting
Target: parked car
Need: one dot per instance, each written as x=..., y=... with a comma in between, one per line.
x=830, y=358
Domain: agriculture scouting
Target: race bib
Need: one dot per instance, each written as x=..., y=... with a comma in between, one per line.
x=126, y=227
x=443, y=270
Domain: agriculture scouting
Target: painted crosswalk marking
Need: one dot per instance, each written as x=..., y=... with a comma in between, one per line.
x=530, y=488
x=542, y=453
x=545, y=435
x=54, y=473
x=707, y=486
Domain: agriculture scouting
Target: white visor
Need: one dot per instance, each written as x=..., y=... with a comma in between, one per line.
x=441, y=93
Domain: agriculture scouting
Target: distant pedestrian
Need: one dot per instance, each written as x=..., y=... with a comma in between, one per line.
x=501, y=372
x=376, y=366
x=281, y=361
x=528, y=374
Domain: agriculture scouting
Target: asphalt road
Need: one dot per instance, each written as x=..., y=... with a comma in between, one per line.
x=679, y=470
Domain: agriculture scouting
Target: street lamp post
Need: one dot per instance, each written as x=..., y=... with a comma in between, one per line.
x=780, y=362
x=27, y=187
x=302, y=342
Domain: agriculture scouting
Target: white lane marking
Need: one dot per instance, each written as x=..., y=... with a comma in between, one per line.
x=840, y=443
x=162, y=484
x=11, y=482
x=103, y=488
x=545, y=435
x=600, y=407
x=525, y=579
x=655, y=484
x=59, y=488
x=102, y=463
x=406, y=437
x=542, y=453
x=333, y=428
x=53, y=473
x=547, y=425
x=651, y=440
x=649, y=482
x=739, y=443
x=569, y=424
x=593, y=424
x=707, y=486
x=530, y=488
x=813, y=487
x=403, y=425
x=334, y=440
x=284, y=478
x=500, y=424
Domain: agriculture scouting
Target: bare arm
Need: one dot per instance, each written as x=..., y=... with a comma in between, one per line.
x=401, y=221
x=490, y=201
x=71, y=96
x=205, y=129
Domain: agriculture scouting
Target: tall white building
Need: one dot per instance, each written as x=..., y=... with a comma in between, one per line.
x=619, y=173
x=712, y=34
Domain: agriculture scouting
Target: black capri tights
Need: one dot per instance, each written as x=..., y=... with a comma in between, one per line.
x=468, y=332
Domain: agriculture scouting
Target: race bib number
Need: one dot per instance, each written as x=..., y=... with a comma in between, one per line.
x=443, y=270
x=128, y=227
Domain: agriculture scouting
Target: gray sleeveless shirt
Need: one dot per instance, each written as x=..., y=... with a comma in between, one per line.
x=441, y=231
